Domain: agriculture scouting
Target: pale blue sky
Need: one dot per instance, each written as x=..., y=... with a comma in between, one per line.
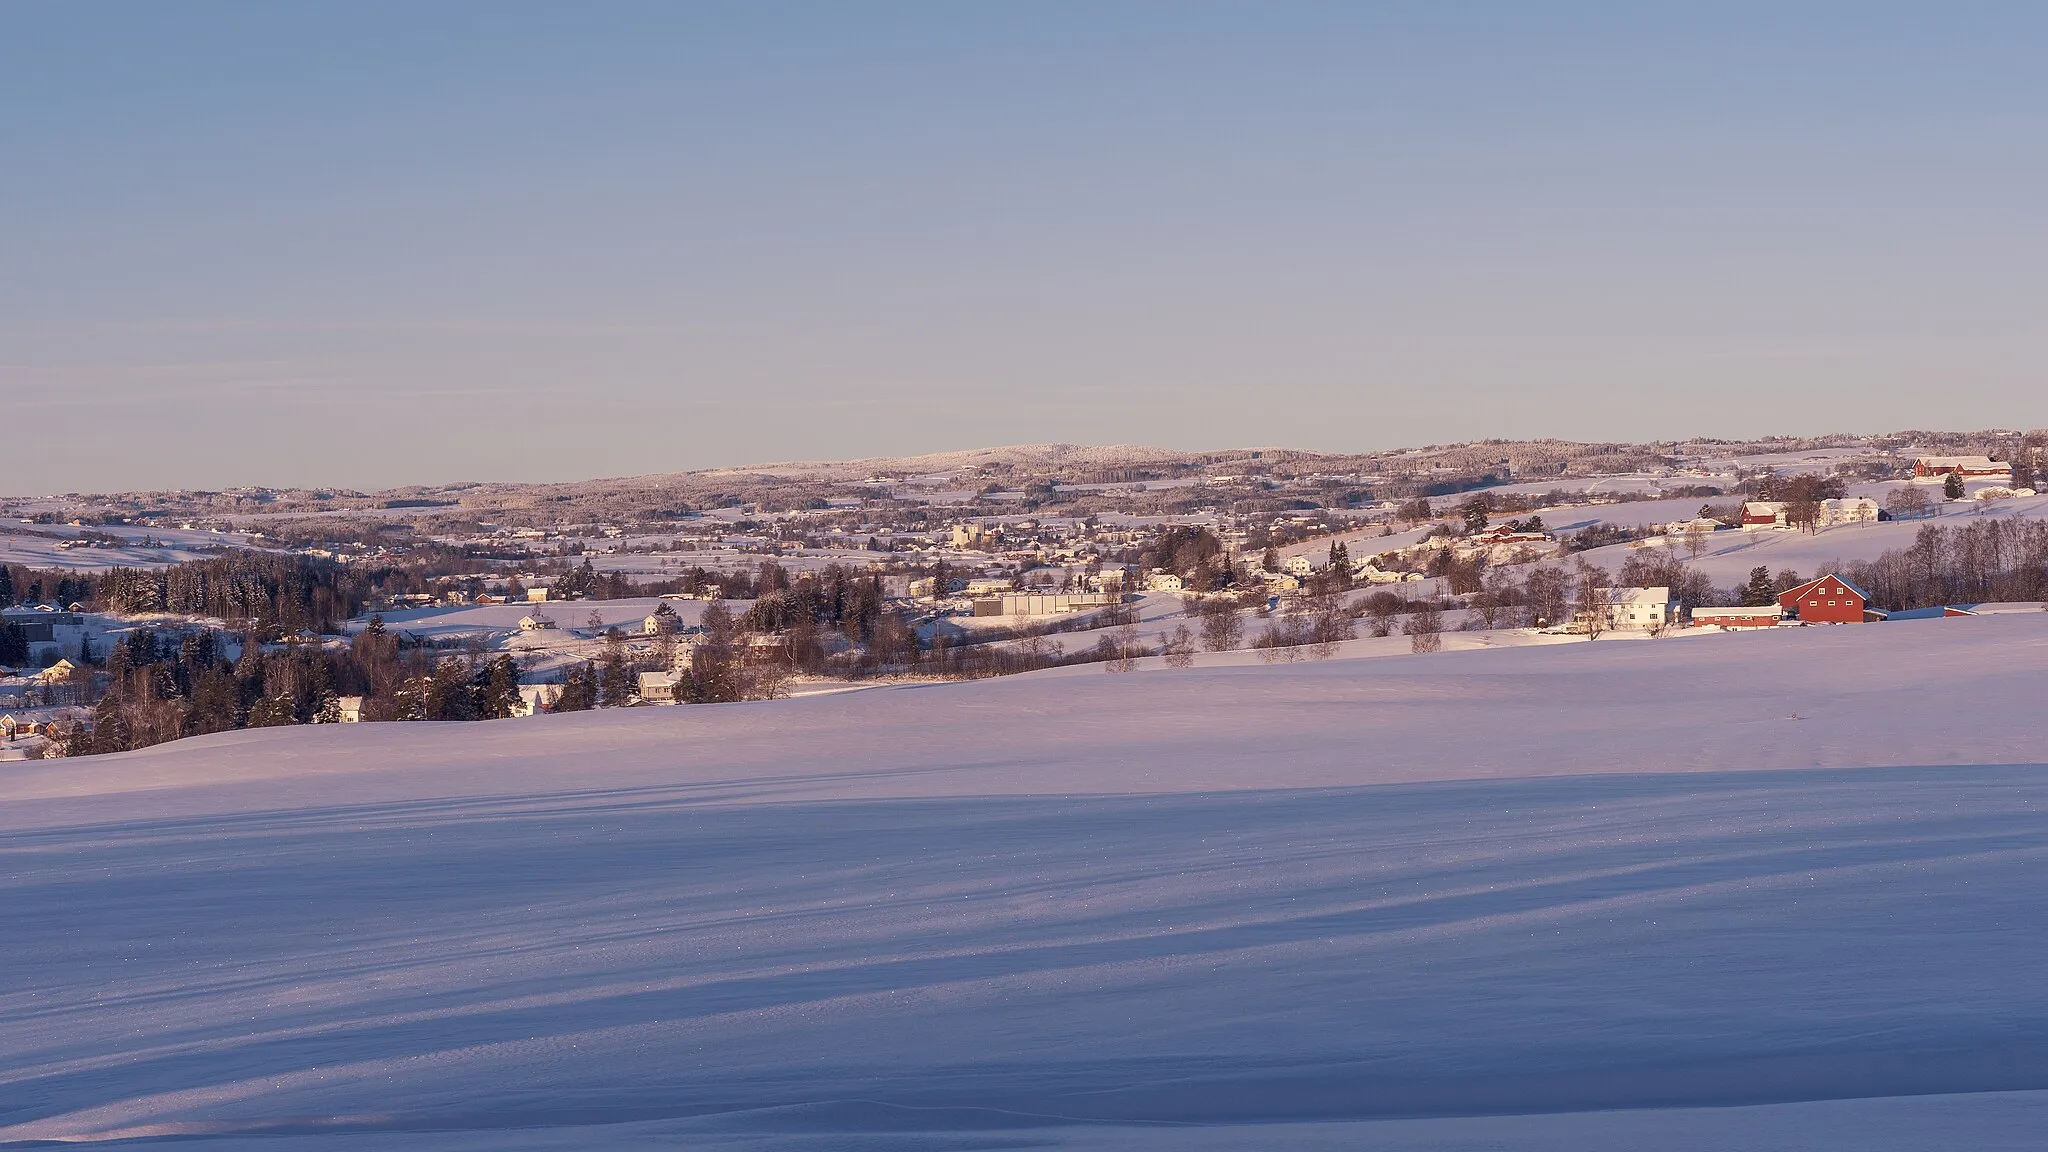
x=365, y=244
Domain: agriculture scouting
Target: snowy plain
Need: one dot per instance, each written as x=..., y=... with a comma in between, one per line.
x=1775, y=890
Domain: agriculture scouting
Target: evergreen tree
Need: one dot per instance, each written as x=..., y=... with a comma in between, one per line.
x=13, y=644
x=579, y=690
x=499, y=689
x=614, y=679
x=1759, y=592
x=272, y=712
x=1952, y=488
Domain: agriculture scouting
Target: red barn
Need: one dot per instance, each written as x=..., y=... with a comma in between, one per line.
x=1968, y=467
x=1828, y=600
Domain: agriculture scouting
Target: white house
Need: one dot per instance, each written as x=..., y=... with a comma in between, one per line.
x=349, y=709
x=1299, y=566
x=536, y=698
x=662, y=621
x=659, y=687
x=1640, y=609
x=1163, y=582
x=1854, y=510
x=535, y=622
x=1107, y=580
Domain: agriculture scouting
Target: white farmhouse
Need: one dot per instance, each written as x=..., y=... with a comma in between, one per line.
x=659, y=687
x=1854, y=510
x=1640, y=609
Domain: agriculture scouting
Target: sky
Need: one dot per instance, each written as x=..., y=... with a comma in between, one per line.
x=367, y=244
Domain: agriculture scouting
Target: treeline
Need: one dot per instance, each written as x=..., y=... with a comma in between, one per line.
x=585, y=581
x=278, y=593
x=168, y=684
x=1992, y=559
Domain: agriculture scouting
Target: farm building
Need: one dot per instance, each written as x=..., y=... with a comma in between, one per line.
x=1763, y=514
x=1042, y=603
x=1964, y=466
x=1766, y=616
x=1828, y=600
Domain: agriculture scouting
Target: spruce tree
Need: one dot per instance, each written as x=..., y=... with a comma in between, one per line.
x=1759, y=592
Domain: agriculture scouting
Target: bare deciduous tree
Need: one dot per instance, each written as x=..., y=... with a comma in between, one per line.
x=1425, y=628
x=1180, y=648
x=1593, y=606
x=1696, y=535
x=1222, y=627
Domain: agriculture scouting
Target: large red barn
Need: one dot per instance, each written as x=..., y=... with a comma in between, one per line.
x=1828, y=600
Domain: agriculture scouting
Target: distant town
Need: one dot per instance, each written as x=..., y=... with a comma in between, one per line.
x=131, y=619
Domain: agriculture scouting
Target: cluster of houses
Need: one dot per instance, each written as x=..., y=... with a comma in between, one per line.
x=1828, y=599
x=1776, y=513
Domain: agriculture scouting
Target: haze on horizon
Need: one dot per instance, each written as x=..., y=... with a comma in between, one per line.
x=369, y=244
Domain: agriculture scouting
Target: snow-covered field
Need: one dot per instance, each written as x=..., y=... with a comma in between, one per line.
x=1774, y=891
x=38, y=546
x=1729, y=555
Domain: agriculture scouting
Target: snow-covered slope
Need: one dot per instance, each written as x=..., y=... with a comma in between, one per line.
x=1773, y=891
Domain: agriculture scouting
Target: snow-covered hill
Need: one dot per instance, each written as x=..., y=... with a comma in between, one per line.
x=1768, y=891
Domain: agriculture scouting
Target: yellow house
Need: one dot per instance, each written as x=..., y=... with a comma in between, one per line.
x=62, y=672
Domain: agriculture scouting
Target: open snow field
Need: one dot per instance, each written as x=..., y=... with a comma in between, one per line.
x=1776, y=891
x=36, y=546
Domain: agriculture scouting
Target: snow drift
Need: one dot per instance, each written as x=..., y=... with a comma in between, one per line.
x=1495, y=896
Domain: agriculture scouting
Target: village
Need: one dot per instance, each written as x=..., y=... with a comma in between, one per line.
x=734, y=606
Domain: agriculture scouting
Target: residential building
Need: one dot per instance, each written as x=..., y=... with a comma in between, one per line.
x=536, y=698
x=659, y=687
x=1853, y=510
x=1639, y=609
x=1108, y=580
